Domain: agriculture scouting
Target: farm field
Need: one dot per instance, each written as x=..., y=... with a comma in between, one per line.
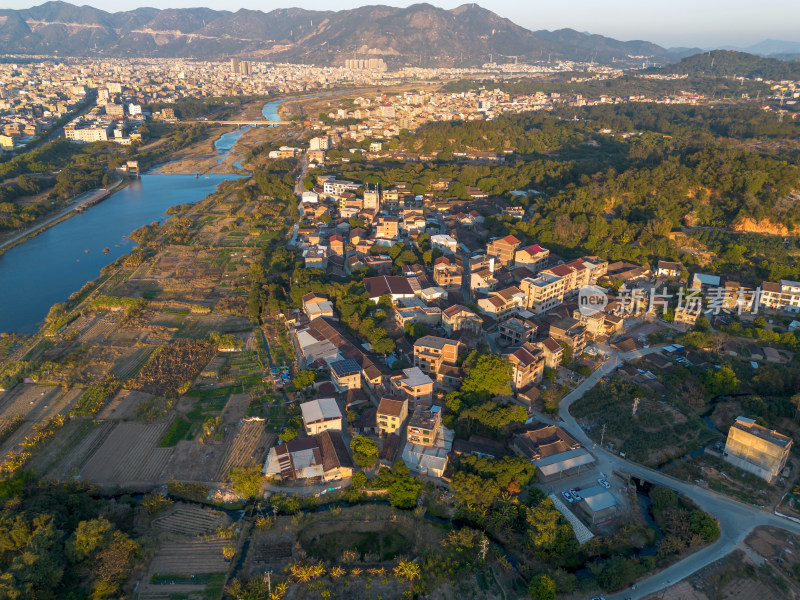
x=123, y=405
x=36, y=404
x=189, y=519
x=250, y=444
x=129, y=453
x=190, y=556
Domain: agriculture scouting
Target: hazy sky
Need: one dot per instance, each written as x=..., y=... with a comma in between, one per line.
x=702, y=23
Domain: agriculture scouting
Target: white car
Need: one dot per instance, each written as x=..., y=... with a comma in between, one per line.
x=604, y=483
x=567, y=497
x=575, y=494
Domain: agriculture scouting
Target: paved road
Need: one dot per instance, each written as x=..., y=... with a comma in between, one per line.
x=299, y=188
x=82, y=200
x=736, y=519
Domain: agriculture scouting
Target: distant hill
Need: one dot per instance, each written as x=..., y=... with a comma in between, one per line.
x=730, y=63
x=419, y=34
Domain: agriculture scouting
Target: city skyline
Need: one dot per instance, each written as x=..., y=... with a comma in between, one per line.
x=712, y=24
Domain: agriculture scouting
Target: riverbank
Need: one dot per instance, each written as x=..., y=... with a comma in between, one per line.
x=82, y=201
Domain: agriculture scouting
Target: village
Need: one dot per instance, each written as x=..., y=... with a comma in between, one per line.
x=333, y=334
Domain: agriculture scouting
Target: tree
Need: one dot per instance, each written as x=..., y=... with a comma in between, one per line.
x=228, y=552
x=247, y=480
x=566, y=357
x=365, y=451
x=288, y=434
x=490, y=375
x=304, y=378
x=542, y=588
x=115, y=561
x=415, y=330
x=720, y=382
x=358, y=480
x=702, y=524
x=88, y=539
x=404, y=491
x=542, y=521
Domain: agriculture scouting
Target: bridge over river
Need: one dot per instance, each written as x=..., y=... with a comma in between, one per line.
x=253, y=123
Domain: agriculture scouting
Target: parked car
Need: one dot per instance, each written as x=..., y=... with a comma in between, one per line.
x=575, y=494
x=604, y=483
x=567, y=497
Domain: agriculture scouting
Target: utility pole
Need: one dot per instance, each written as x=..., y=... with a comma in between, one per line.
x=602, y=435
x=268, y=577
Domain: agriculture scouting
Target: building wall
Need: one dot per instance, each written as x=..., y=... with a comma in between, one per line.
x=755, y=455
x=320, y=426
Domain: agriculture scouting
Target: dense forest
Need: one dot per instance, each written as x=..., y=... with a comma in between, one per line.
x=63, y=541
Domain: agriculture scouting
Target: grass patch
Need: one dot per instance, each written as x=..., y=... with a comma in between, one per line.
x=202, y=579
x=384, y=543
x=179, y=430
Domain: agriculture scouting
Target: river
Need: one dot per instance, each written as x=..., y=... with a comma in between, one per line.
x=49, y=267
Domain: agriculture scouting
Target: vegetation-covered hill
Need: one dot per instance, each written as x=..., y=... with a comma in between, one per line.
x=729, y=63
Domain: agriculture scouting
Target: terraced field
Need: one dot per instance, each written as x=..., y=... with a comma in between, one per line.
x=190, y=557
x=188, y=519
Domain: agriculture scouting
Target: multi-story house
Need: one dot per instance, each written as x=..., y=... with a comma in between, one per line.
x=503, y=249
x=482, y=281
x=552, y=351
x=387, y=228
x=430, y=352
x=459, y=318
x=447, y=275
x=320, y=415
x=527, y=365
x=336, y=187
x=447, y=244
x=756, y=449
x=346, y=374
x=570, y=332
x=423, y=427
x=517, y=331
x=534, y=258
x=503, y=303
x=392, y=413
x=544, y=292
x=781, y=296
x=414, y=386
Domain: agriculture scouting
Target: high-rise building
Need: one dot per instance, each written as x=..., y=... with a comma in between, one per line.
x=363, y=64
x=235, y=66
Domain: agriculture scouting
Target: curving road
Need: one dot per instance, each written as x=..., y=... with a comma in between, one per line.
x=736, y=519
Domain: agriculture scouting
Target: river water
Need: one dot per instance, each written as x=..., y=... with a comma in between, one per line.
x=49, y=267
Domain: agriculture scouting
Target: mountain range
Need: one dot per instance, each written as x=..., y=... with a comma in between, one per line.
x=421, y=34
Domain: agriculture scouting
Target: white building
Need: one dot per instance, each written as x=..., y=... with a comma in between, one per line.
x=320, y=415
